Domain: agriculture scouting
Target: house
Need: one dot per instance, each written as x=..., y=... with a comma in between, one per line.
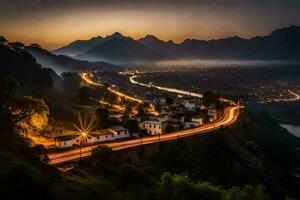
x=189, y=105
x=113, y=133
x=194, y=121
x=174, y=123
x=212, y=112
x=198, y=119
x=100, y=136
x=190, y=124
x=68, y=141
x=153, y=127
x=119, y=132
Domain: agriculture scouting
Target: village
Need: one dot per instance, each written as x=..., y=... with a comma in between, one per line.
x=174, y=114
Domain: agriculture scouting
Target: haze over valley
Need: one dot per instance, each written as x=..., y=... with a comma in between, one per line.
x=152, y=100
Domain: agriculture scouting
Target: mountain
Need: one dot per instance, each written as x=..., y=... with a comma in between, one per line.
x=119, y=49
x=78, y=46
x=64, y=63
x=17, y=63
x=158, y=45
x=81, y=46
x=281, y=44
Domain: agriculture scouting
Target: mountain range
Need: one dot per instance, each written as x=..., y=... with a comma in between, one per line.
x=62, y=63
x=281, y=44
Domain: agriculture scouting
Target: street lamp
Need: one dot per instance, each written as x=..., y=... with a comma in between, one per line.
x=83, y=134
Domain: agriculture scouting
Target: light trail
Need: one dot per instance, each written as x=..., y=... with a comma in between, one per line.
x=118, y=107
x=84, y=76
x=295, y=98
x=173, y=90
x=121, y=94
x=229, y=117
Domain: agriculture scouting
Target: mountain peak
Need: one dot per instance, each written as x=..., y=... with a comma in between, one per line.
x=151, y=37
x=116, y=35
x=96, y=38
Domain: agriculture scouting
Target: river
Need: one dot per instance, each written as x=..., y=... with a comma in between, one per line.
x=294, y=129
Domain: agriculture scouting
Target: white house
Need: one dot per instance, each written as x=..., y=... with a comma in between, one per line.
x=113, y=133
x=189, y=105
x=153, y=127
x=212, y=111
x=190, y=124
x=119, y=132
x=198, y=119
x=68, y=141
x=100, y=136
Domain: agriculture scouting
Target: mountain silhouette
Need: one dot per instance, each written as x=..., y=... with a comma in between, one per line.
x=119, y=49
x=281, y=44
x=78, y=46
x=61, y=63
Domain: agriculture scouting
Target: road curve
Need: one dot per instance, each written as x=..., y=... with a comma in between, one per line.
x=229, y=117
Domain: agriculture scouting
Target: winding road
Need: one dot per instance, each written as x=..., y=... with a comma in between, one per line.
x=229, y=116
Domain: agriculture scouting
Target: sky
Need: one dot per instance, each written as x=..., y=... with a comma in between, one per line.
x=54, y=23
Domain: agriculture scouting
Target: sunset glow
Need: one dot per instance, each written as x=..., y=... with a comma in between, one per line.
x=54, y=23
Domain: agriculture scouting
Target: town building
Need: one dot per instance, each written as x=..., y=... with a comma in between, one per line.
x=194, y=122
x=68, y=141
x=189, y=105
x=153, y=127
x=212, y=112
x=113, y=133
x=100, y=136
x=119, y=132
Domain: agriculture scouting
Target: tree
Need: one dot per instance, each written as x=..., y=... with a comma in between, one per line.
x=3, y=40
x=131, y=124
x=210, y=97
x=102, y=118
x=166, y=186
x=84, y=93
x=17, y=45
x=140, y=110
x=129, y=108
x=103, y=157
x=71, y=81
x=41, y=151
x=7, y=87
x=248, y=192
x=169, y=101
x=27, y=107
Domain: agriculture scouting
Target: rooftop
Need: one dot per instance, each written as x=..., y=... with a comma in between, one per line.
x=67, y=137
x=118, y=128
x=100, y=132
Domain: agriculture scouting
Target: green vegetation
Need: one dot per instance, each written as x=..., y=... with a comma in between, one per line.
x=246, y=161
x=232, y=163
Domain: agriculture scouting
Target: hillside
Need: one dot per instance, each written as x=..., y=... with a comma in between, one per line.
x=78, y=46
x=212, y=166
x=254, y=151
x=17, y=63
x=62, y=63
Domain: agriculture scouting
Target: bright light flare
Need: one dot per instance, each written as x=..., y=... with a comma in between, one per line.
x=85, y=125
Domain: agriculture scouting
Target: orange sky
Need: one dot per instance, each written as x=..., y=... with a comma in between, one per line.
x=55, y=25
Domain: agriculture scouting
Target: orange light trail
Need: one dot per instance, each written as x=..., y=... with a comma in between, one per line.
x=229, y=117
